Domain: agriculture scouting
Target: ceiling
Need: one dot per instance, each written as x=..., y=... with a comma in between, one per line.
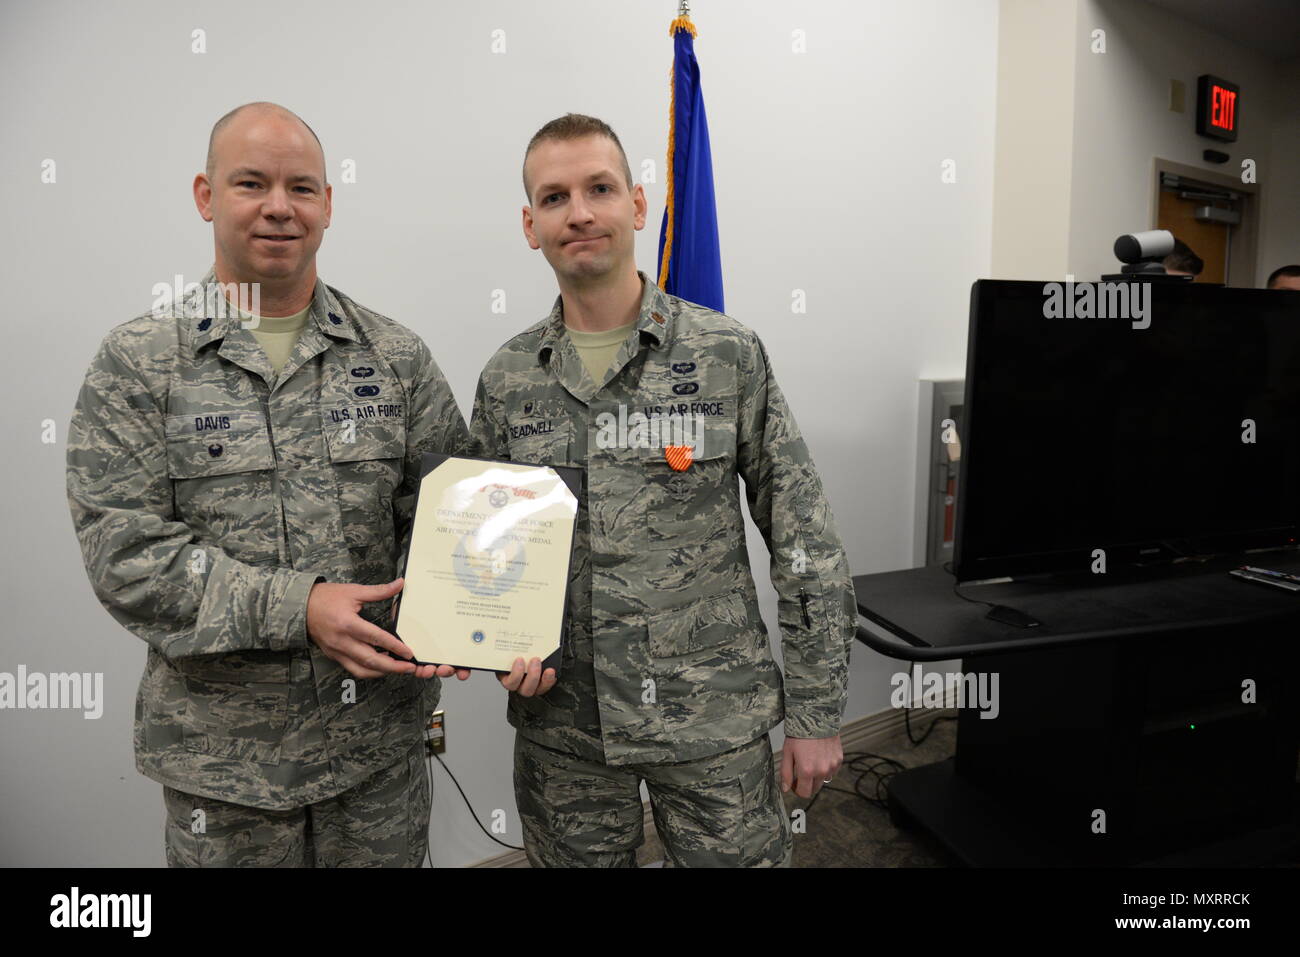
x=1271, y=27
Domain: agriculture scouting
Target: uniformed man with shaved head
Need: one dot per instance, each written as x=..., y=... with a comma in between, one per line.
x=242, y=466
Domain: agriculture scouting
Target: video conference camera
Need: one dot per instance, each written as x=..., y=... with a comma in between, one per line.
x=1142, y=253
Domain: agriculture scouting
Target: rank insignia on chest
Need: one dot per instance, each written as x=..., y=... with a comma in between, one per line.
x=679, y=456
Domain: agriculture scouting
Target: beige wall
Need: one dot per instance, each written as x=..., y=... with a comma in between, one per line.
x=1038, y=45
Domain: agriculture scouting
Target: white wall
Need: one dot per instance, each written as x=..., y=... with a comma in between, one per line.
x=828, y=170
x=1122, y=122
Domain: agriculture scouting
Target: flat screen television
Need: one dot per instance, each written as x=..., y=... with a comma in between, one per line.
x=1170, y=429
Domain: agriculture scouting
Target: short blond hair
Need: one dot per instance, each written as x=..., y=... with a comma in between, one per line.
x=574, y=126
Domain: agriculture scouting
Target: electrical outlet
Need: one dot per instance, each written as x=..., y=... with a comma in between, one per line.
x=435, y=733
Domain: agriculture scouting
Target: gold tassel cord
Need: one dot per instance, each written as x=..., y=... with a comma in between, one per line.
x=681, y=23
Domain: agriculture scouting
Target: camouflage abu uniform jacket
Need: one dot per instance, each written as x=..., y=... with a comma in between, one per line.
x=207, y=504
x=667, y=658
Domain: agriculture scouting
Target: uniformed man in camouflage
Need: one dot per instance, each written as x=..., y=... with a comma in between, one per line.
x=241, y=484
x=667, y=675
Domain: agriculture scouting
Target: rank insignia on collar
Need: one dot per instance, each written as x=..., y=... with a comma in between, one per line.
x=679, y=456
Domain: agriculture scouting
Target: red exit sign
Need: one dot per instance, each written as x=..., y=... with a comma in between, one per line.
x=1218, y=107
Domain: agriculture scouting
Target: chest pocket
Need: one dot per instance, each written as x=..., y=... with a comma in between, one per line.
x=368, y=458
x=699, y=503
x=209, y=445
x=221, y=467
x=541, y=441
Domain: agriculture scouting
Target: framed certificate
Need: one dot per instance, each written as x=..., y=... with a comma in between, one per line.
x=487, y=572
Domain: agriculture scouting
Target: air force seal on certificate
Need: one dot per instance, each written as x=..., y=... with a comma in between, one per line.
x=488, y=565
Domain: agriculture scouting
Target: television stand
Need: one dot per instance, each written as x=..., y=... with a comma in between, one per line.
x=1149, y=722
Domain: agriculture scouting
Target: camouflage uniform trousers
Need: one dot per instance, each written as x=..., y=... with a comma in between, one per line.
x=381, y=822
x=721, y=811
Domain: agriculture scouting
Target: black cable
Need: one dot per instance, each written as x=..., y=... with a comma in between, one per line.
x=854, y=763
x=907, y=723
x=947, y=566
x=472, y=812
x=428, y=776
x=881, y=799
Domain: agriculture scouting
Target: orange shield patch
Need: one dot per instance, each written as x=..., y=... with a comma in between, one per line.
x=679, y=456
